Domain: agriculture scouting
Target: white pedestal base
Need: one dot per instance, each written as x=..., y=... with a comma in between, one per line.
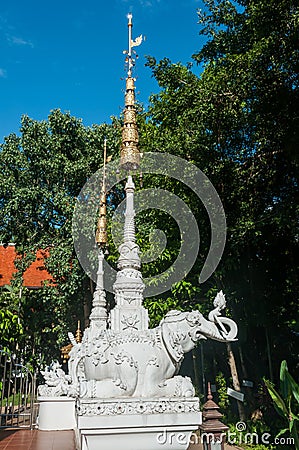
x=143, y=431
x=56, y=413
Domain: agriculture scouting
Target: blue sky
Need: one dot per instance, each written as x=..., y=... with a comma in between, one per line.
x=68, y=54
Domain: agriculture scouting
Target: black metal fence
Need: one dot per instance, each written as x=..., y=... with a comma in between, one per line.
x=18, y=406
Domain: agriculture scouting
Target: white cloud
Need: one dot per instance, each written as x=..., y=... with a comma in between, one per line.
x=2, y=73
x=19, y=41
x=146, y=3
x=143, y=3
x=9, y=34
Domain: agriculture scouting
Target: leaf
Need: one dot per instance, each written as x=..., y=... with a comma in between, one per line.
x=294, y=386
x=284, y=385
x=277, y=399
x=285, y=430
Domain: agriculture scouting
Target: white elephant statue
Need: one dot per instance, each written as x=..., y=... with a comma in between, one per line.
x=109, y=364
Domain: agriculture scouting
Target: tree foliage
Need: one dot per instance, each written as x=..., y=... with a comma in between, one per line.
x=238, y=122
x=43, y=171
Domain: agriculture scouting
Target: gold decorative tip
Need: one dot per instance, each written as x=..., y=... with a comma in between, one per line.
x=65, y=352
x=101, y=231
x=129, y=154
x=78, y=335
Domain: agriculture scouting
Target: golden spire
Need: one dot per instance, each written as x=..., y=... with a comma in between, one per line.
x=101, y=232
x=98, y=315
x=78, y=335
x=129, y=155
x=65, y=350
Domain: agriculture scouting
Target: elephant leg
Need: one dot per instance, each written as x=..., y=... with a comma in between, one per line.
x=125, y=373
x=177, y=386
x=111, y=388
x=118, y=379
x=107, y=388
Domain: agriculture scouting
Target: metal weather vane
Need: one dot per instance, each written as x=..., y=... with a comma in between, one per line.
x=132, y=43
x=130, y=155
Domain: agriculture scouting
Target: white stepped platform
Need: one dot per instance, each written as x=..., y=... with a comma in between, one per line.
x=137, y=424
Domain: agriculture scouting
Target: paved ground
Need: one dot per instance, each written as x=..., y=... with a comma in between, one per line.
x=51, y=440
x=36, y=440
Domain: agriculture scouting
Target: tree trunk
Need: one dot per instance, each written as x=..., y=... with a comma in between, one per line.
x=202, y=370
x=214, y=365
x=269, y=354
x=195, y=367
x=87, y=298
x=243, y=367
x=235, y=378
x=248, y=390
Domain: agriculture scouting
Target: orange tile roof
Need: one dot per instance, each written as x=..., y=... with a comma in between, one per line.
x=34, y=276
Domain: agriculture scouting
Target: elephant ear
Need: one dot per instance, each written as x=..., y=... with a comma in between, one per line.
x=172, y=343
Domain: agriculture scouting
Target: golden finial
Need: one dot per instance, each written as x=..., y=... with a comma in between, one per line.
x=78, y=335
x=65, y=350
x=129, y=155
x=101, y=232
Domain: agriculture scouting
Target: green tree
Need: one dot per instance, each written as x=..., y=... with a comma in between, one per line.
x=252, y=53
x=43, y=171
x=238, y=122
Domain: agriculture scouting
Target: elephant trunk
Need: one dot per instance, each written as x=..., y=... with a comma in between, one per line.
x=222, y=329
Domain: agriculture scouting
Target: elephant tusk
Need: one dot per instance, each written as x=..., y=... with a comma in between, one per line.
x=233, y=329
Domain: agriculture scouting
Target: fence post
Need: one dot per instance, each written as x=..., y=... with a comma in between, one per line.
x=17, y=392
